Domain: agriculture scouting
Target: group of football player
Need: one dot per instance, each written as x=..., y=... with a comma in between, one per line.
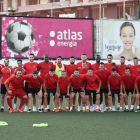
x=88, y=81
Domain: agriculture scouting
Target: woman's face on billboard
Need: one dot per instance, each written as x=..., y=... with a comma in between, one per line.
x=127, y=37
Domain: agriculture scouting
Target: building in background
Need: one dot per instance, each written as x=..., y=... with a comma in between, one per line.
x=112, y=9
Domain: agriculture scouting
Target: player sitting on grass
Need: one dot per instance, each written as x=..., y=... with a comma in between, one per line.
x=35, y=87
x=63, y=87
x=93, y=85
x=15, y=88
x=115, y=86
x=50, y=82
x=77, y=85
x=129, y=80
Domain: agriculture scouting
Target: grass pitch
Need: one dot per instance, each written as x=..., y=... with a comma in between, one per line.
x=70, y=126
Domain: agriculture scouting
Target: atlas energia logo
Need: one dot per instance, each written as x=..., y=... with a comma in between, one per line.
x=65, y=38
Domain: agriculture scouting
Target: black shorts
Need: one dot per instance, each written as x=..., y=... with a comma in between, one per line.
x=88, y=92
x=77, y=90
x=104, y=90
x=33, y=90
x=3, y=89
x=51, y=91
x=63, y=94
x=129, y=90
x=115, y=91
x=26, y=87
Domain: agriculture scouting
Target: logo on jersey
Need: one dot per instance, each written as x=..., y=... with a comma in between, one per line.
x=130, y=81
x=79, y=81
x=34, y=66
x=53, y=80
x=105, y=75
x=92, y=80
x=117, y=81
x=65, y=83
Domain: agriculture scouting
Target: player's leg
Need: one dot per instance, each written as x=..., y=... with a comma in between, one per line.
x=126, y=100
x=72, y=95
x=56, y=96
x=137, y=102
x=46, y=101
x=109, y=101
x=101, y=101
x=121, y=100
x=91, y=104
x=97, y=101
x=118, y=103
x=29, y=101
x=94, y=102
x=34, y=102
x=67, y=102
x=26, y=90
x=42, y=103
x=61, y=103
x=3, y=92
x=9, y=101
x=74, y=100
x=79, y=102
x=88, y=93
x=113, y=102
x=15, y=101
x=133, y=98
x=83, y=99
x=39, y=100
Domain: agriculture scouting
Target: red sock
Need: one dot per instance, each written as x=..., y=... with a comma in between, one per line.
x=23, y=101
x=9, y=101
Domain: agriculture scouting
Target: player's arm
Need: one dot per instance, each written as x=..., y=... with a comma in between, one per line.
x=124, y=88
x=99, y=87
x=68, y=90
x=44, y=87
x=6, y=86
x=58, y=89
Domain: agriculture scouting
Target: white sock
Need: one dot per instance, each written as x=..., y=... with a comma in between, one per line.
x=137, y=107
x=42, y=106
x=15, y=106
x=101, y=105
x=126, y=106
x=26, y=106
x=109, y=107
x=2, y=107
x=87, y=107
x=29, y=108
x=97, y=107
x=34, y=107
x=71, y=108
x=120, y=108
x=91, y=107
x=67, y=107
x=83, y=108
x=106, y=107
x=132, y=106
x=54, y=108
x=94, y=106
x=39, y=108
x=48, y=106
x=118, y=104
x=79, y=107
x=59, y=107
x=113, y=107
x=61, y=104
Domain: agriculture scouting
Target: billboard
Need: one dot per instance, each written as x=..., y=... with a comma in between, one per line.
x=21, y=36
x=121, y=38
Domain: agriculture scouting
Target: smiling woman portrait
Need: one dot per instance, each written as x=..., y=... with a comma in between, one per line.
x=127, y=36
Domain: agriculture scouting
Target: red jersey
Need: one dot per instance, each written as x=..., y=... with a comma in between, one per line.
x=77, y=82
x=110, y=66
x=70, y=69
x=95, y=66
x=34, y=83
x=60, y=66
x=121, y=69
x=129, y=81
x=79, y=64
x=137, y=82
x=15, y=83
x=44, y=68
x=50, y=82
x=63, y=84
x=23, y=71
x=29, y=67
x=115, y=82
x=135, y=70
x=6, y=72
x=82, y=71
x=103, y=75
x=92, y=82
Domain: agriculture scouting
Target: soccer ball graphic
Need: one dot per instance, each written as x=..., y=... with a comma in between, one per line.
x=19, y=37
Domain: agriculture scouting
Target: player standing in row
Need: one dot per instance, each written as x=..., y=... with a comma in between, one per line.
x=95, y=67
x=29, y=67
x=63, y=87
x=6, y=72
x=59, y=67
x=93, y=85
x=70, y=70
x=103, y=74
x=15, y=89
x=19, y=66
x=77, y=86
x=115, y=86
x=109, y=65
x=129, y=87
x=44, y=67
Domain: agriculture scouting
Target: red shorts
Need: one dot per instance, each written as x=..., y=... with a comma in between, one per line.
x=18, y=92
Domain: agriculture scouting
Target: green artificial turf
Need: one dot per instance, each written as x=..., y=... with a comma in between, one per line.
x=70, y=126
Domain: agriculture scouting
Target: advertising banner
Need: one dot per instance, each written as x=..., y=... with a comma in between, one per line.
x=121, y=38
x=21, y=36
